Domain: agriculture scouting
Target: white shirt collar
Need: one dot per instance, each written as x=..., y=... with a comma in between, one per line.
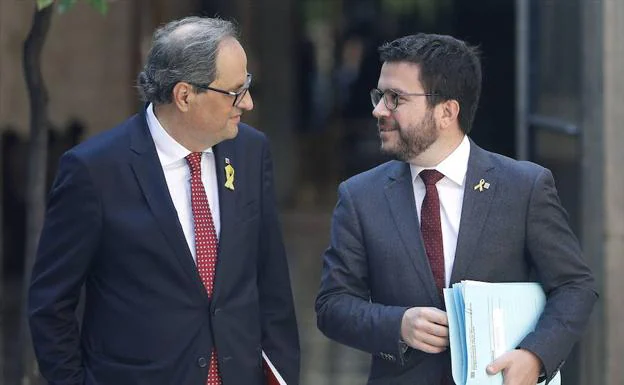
x=454, y=166
x=169, y=150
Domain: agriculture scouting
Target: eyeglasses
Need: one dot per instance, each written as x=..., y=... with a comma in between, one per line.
x=238, y=96
x=391, y=98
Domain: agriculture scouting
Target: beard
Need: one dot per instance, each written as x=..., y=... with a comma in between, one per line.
x=412, y=140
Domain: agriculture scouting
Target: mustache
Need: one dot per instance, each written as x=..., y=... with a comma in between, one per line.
x=383, y=123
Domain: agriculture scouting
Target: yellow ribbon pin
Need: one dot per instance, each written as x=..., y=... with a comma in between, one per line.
x=229, y=175
x=482, y=185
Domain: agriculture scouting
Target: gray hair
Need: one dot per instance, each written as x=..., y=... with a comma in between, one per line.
x=182, y=50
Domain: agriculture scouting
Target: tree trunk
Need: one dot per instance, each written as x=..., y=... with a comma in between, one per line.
x=3, y=309
x=2, y=299
x=36, y=182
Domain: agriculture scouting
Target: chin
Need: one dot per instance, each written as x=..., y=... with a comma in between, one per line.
x=232, y=131
x=393, y=152
x=387, y=147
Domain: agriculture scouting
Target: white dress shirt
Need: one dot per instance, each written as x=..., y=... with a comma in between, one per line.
x=451, y=193
x=178, y=176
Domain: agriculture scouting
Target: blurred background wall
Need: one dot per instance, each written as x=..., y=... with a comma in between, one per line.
x=552, y=93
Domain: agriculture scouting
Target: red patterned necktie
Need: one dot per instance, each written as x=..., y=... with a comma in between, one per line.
x=431, y=227
x=206, y=244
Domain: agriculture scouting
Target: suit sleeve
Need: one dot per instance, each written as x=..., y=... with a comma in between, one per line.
x=280, y=339
x=567, y=280
x=68, y=241
x=344, y=309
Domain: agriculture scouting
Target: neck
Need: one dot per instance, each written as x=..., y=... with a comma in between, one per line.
x=177, y=126
x=438, y=151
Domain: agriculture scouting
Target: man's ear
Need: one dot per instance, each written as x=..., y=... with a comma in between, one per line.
x=182, y=94
x=448, y=113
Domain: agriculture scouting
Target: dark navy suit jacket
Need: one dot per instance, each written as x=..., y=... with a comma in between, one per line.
x=112, y=227
x=376, y=267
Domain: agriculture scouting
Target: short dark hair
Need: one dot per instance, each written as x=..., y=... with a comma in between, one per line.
x=449, y=68
x=183, y=50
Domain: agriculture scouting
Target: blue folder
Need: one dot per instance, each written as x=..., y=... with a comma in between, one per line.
x=485, y=321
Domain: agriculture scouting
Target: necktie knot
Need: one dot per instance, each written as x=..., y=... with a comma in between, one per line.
x=430, y=177
x=194, y=161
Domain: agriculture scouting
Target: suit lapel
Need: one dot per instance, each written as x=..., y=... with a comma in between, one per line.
x=475, y=209
x=225, y=152
x=400, y=195
x=151, y=179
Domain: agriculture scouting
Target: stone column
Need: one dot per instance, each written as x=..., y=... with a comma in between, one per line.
x=614, y=189
x=603, y=186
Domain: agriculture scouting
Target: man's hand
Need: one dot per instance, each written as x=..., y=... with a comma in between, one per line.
x=426, y=329
x=519, y=367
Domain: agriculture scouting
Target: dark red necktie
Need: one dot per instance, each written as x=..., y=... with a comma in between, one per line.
x=206, y=244
x=431, y=227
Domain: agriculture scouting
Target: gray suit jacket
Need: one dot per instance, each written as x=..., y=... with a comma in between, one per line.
x=376, y=267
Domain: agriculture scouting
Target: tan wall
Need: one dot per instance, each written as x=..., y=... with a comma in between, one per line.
x=87, y=64
x=614, y=188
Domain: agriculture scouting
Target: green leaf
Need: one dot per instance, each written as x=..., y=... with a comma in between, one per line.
x=100, y=5
x=41, y=4
x=66, y=5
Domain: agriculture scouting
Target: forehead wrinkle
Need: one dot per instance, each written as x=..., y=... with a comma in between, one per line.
x=228, y=48
x=402, y=74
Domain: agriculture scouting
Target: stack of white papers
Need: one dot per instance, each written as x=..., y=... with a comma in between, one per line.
x=485, y=321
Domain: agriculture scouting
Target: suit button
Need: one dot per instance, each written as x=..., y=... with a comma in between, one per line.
x=216, y=311
x=201, y=362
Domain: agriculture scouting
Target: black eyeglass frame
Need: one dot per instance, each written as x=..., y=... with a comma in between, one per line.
x=379, y=95
x=238, y=95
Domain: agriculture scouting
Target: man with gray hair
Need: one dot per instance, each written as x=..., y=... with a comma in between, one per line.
x=169, y=222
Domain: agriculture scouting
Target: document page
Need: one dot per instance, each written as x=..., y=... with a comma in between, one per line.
x=485, y=321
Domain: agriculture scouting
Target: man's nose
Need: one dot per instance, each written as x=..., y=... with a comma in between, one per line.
x=247, y=102
x=381, y=110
